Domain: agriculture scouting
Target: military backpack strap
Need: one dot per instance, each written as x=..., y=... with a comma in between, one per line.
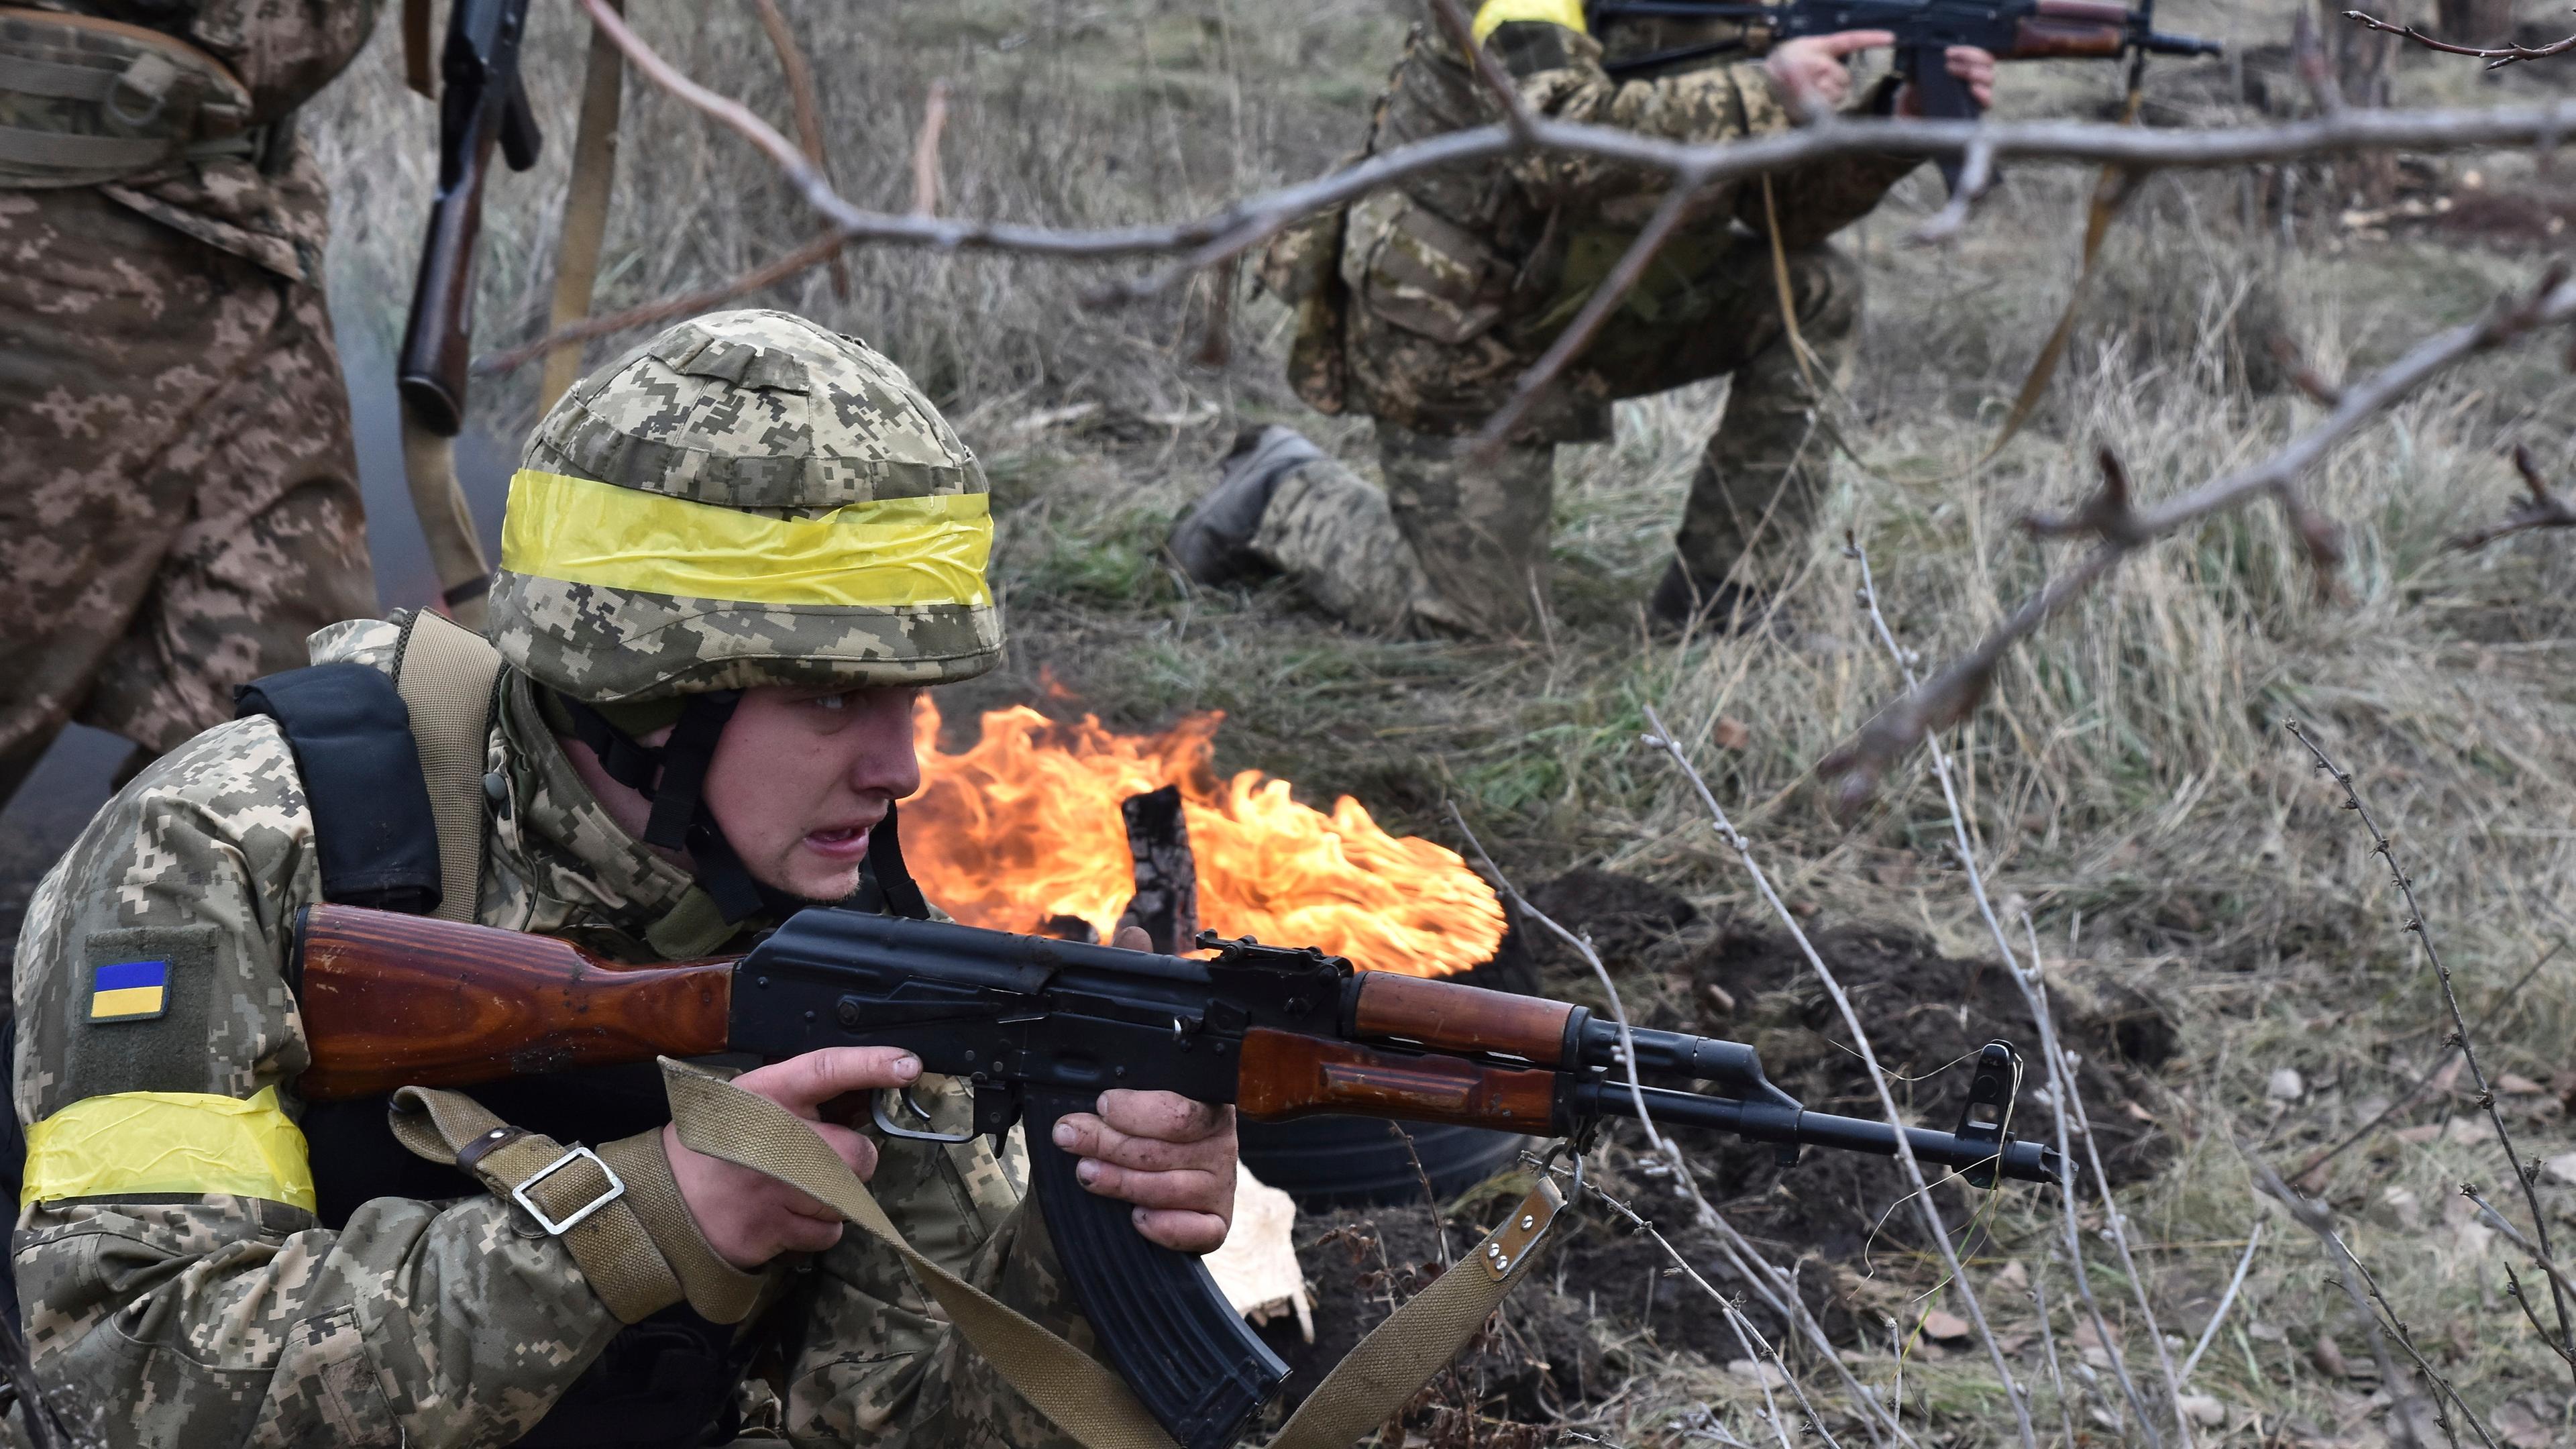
x=91, y=100
x=449, y=679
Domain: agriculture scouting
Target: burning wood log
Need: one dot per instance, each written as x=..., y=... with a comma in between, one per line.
x=1166, y=902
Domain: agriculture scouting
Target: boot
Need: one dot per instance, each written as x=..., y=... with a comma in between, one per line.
x=1681, y=605
x=1211, y=543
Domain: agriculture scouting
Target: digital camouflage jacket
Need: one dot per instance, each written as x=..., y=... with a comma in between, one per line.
x=1426, y=300
x=231, y=1318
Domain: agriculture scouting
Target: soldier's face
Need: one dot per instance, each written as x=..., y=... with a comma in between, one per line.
x=801, y=775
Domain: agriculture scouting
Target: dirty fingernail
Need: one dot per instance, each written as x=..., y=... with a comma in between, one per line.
x=1087, y=1170
x=1064, y=1134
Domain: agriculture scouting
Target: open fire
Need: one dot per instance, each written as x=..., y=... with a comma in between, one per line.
x=1025, y=826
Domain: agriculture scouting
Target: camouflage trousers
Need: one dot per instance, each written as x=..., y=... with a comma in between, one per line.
x=178, y=498
x=1450, y=546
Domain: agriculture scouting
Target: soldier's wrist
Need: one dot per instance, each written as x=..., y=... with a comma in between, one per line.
x=717, y=1290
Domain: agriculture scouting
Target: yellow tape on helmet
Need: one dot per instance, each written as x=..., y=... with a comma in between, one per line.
x=1495, y=14
x=180, y=1143
x=888, y=553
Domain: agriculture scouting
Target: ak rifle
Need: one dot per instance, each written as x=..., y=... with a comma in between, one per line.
x=1040, y=1027
x=481, y=103
x=1925, y=30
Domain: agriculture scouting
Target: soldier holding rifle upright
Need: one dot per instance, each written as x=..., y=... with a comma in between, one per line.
x=664, y=749
x=178, y=491
x=1423, y=303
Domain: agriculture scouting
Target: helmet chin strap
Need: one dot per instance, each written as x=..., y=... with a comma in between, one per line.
x=673, y=777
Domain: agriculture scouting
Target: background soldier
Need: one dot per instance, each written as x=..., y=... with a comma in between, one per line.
x=1424, y=302
x=188, y=1262
x=178, y=498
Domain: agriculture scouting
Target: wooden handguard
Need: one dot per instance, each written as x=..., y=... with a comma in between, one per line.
x=392, y=1001
x=1286, y=1075
x=1445, y=1016
x=2072, y=30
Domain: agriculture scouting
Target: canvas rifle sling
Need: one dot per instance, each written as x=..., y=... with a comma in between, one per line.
x=449, y=679
x=1084, y=1398
x=585, y=219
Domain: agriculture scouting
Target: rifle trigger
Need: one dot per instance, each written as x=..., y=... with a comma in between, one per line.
x=887, y=1124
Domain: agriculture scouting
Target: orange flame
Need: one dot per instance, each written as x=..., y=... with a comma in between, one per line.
x=1025, y=826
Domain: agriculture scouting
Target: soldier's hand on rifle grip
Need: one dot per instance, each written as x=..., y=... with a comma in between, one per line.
x=1172, y=1157
x=1810, y=71
x=1973, y=67
x=750, y=1217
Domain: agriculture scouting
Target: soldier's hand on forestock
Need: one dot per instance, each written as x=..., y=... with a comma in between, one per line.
x=1967, y=63
x=750, y=1217
x=1172, y=1157
x=1810, y=71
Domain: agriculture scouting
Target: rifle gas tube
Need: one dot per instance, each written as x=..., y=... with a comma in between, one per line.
x=1925, y=30
x=1039, y=1028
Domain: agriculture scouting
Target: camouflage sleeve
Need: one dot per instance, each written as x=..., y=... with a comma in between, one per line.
x=1814, y=202
x=166, y=1270
x=1559, y=75
x=876, y=1363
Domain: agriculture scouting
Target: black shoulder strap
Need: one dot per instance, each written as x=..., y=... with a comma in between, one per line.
x=372, y=825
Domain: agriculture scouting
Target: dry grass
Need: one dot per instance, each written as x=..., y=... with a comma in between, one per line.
x=2128, y=780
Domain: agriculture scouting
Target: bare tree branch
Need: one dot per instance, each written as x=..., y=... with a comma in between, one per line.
x=809, y=110
x=2497, y=58
x=2363, y=1290
x=2414, y=926
x=1247, y=222
x=2547, y=508
x=1853, y=771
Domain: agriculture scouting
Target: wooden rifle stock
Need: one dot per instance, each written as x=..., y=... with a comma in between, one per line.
x=392, y=1001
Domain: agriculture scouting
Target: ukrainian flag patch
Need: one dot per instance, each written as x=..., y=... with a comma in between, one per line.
x=130, y=991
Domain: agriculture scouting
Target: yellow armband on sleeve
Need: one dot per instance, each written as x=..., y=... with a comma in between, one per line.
x=1495, y=14
x=181, y=1143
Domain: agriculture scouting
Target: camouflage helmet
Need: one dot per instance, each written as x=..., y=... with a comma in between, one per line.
x=746, y=499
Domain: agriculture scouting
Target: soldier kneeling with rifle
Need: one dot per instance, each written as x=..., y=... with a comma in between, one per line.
x=732, y=561
x=1423, y=304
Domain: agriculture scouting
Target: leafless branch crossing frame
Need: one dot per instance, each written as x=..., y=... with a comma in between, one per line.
x=1203, y=241
x=2496, y=57
x=2120, y=528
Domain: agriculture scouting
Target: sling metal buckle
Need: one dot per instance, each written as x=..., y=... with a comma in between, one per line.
x=556, y=1228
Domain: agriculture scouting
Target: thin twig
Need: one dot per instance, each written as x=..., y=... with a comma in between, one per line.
x=809, y=111
x=2414, y=925
x=2063, y=1098
x=925, y=151
x=1853, y=771
x=1745, y=1333
x=2364, y=1292
x=1925, y=1209
x=2547, y=508
x=2226, y=1300
x=1578, y=334
x=1747, y=1263
x=686, y=304
x=2503, y=1004
x=2497, y=57
x=2048, y=1341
